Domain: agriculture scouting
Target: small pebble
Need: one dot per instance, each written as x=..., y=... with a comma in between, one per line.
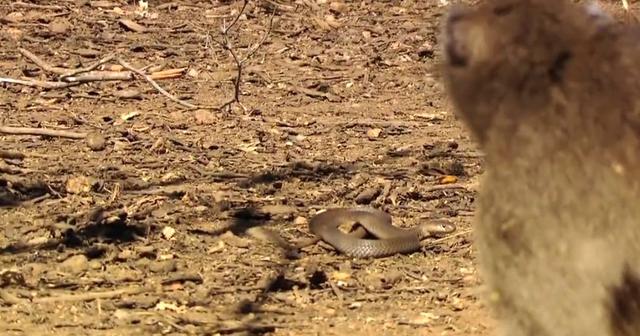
x=204, y=117
x=337, y=6
x=367, y=195
x=143, y=263
x=75, y=264
x=59, y=26
x=34, y=270
x=96, y=142
x=456, y=168
x=148, y=251
x=164, y=266
x=95, y=265
x=355, y=305
x=125, y=255
x=441, y=296
x=374, y=133
x=128, y=94
x=457, y=304
x=139, y=302
x=300, y=221
x=278, y=210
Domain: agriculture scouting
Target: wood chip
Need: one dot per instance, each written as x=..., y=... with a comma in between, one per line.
x=133, y=26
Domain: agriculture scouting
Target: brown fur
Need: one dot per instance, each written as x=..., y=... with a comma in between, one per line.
x=551, y=92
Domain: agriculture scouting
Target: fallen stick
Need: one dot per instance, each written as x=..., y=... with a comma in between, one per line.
x=41, y=131
x=98, y=76
x=446, y=187
x=30, y=5
x=74, y=77
x=44, y=65
x=5, y=168
x=90, y=296
x=169, y=73
x=87, y=69
x=155, y=85
x=37, y=83
x=5, y=154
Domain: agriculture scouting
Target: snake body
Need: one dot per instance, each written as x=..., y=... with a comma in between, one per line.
x=391, y=240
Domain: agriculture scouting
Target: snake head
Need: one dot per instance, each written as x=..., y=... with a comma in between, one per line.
x=446, y=227
x=440, y=228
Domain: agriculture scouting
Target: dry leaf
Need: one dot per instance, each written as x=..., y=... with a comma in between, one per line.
x=79, y=184
x=193, y=73
x=322, y=24
x=168, y=232
x=374, y=133
x=126, y=117
x=13, y=17
x=204, y=117
x=168, y=306
x=424, y=319
x=447, y=179
x=169, y=73
x=133, y=26
x=340, y=276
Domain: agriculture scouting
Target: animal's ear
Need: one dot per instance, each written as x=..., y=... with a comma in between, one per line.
x=597, y=13
x=469, y=35
x=455, y=52
x=466, y=42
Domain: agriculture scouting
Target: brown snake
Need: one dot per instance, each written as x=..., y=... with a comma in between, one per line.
x=391, y=239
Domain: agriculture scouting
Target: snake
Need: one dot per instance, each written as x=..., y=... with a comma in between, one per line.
x=391, y=239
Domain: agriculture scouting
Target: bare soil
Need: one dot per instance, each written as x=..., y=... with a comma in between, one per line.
x=165, y=229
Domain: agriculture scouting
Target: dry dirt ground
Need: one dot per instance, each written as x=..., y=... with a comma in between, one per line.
x=164, y=227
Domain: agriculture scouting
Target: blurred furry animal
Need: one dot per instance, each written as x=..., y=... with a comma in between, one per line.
x=550, y=90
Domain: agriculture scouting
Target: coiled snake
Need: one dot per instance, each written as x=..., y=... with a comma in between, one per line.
x=391, y=239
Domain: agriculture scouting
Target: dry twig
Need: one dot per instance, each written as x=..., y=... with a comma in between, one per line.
x=42, y=64
x=87, y=69
x=226, y=45
x=155, y=85
x=83, y=75
x=41, y=131
x=91, y=296
x=37, y=83
x=99, y=76
x=68, y=77
x=74, y=77
x=30, y=5
x=450, y=186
